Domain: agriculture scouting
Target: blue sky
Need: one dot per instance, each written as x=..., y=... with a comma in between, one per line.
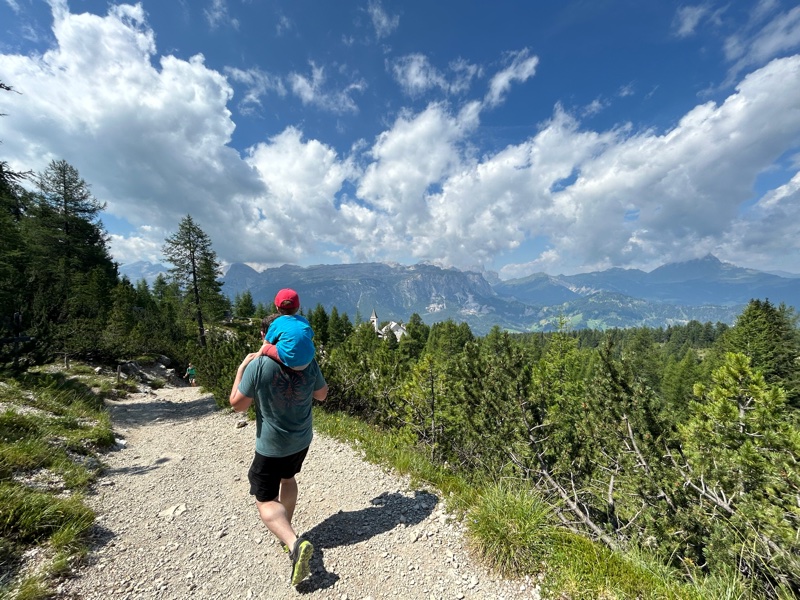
x=515, y=136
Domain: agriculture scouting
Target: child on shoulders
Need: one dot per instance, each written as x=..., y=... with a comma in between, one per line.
x=287, y=335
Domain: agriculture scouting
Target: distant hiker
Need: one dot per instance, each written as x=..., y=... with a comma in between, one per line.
x=283, y=398
x=288, y=336
x=190, y=374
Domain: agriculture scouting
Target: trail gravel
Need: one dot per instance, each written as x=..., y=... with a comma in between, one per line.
x=175, y=519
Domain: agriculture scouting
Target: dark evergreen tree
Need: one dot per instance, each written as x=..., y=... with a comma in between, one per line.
x=243, y=305
x=413, y=343
x=767, y=335
x=339, y=328
x=196, y=271
x=318, y=319
x=71, y=273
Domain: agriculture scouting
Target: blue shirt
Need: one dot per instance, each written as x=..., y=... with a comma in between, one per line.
x=292, y=336
x=282, y=399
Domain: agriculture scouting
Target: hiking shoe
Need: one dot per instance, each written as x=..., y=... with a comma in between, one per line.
x=301, y=556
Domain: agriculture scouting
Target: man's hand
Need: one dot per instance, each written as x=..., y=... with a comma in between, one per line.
x=240, y=402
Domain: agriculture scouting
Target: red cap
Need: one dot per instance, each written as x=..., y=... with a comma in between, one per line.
x=287, y=299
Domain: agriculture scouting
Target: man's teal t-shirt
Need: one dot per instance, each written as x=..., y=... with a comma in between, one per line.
x=282, y=399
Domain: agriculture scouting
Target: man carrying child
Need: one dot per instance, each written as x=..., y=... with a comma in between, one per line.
x=282, y=382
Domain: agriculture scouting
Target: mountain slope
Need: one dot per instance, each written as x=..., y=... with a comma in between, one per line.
x=703, y=290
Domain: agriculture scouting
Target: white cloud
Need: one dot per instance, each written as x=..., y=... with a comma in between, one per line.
x=151, y=141
x=687, y=18
x=257, y=85
x=416, y=75
x=522, y=67
x=312, y=91
x=779, y=35
x=14, y=5
x=145, y=244
x=383, y=23
x=217, y=14
x=151, y=134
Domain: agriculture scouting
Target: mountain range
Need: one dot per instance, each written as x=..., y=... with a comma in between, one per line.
x=704, y=289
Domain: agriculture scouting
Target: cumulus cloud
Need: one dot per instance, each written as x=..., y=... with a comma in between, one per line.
x=152, y=140
x=152, y=135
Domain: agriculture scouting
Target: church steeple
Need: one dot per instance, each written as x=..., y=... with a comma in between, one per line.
x=374, y=319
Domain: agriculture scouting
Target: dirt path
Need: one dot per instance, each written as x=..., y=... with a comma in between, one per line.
x=175, y=519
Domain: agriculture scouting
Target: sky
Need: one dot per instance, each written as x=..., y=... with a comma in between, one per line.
x=516, y=136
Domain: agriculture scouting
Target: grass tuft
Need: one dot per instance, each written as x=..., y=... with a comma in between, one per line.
x=510, y=527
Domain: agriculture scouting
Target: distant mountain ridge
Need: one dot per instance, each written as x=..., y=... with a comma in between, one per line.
x=703, y=281
x=704, y=289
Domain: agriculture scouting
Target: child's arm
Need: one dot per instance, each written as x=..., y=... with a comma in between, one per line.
x=270, y=350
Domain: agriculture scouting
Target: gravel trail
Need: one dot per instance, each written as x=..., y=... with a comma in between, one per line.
x=175, y=519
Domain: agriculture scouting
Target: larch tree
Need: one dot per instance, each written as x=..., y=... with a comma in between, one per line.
x=194, y=268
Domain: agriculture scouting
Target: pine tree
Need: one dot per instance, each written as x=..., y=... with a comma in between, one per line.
x=195, y=269
x=740, y=462
x=70, y=273
x=768, y=336
x=413, y=343
x=243, y=305
x=339, y=328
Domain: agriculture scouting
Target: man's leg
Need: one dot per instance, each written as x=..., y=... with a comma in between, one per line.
x=288, y=496
x=277, y=514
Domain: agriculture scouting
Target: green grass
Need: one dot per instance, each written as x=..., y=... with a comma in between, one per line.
x=51, y=437
x=516, y=532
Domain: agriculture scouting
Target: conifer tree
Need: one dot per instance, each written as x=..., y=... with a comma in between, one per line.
x=767, y=334
x=71, y=273
x=243, y=305
x=195, y=269
x=741, y=462
x=339, y=328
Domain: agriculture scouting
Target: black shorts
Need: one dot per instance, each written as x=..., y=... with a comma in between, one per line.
x=266, y=472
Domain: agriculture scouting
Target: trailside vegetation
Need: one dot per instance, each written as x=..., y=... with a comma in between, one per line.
x=680, y=443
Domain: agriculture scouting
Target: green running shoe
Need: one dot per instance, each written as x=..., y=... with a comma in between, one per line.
x=301, y=556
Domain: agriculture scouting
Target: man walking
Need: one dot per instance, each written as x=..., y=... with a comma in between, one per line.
x=283, y=399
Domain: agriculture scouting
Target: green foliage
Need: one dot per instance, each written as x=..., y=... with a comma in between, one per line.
x=513, y=527
x=741, y=453
x=767, y=335
x=243, y=306
x=48, y=437
x=339, y=328
x=217, y=363
x=196, y=272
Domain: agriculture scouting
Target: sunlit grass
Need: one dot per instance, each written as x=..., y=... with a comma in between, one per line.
x=49, y=431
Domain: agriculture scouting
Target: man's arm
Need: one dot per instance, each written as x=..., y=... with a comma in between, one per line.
x=240, y=402
x=321, y=393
